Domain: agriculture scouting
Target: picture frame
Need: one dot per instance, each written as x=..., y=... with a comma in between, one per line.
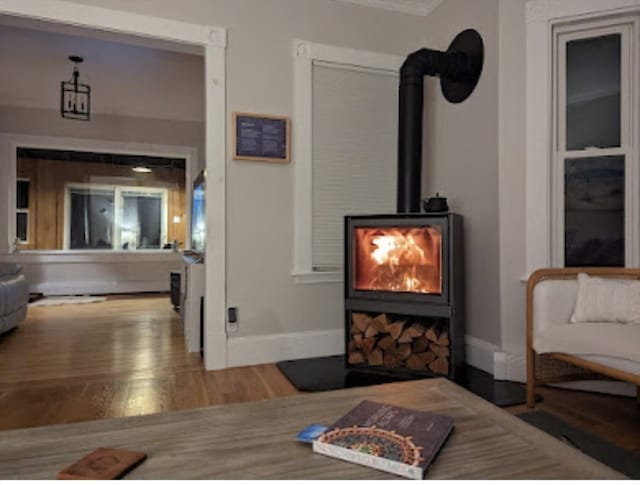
x=261, y=138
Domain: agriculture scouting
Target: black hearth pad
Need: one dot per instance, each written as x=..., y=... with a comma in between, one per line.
x=329, y=373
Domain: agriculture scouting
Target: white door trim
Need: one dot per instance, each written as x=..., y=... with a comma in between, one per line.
x=213, y=41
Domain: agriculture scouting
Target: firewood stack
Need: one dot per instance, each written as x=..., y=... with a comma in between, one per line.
x=377, y=341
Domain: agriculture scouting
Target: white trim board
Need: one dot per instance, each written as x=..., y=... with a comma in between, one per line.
x=305, y=53
x=213, y=40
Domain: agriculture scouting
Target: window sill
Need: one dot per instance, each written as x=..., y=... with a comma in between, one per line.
x=89, y=256
x=317, y=277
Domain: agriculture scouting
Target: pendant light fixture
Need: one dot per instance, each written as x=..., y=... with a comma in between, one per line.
x=75, y=97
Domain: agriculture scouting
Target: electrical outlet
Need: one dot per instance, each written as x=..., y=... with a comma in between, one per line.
x=232, y=319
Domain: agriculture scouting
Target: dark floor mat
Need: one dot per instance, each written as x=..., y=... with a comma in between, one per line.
x=626, y=462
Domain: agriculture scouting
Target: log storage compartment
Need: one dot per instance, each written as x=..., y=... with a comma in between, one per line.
x=403, y=294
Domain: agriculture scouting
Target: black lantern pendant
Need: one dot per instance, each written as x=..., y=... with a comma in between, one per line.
x=75, y=97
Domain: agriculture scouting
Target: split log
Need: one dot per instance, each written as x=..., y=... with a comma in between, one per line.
x=352, y=347
x=419, y=344
x=431, y=335
x=371, y=331
x=356, y=358
x=357, y=340
x=443, y=339
x=367, y=346
x=355, y=330
x=439, y=350
x=420, y=361
x=395, y=329
x=361, y=321
x=416, y=330
x=391, y=361
x=440, y=366
x=376, y=357
x=380, y=323
x=403, y=351
x=406, y=336
x=386, y=342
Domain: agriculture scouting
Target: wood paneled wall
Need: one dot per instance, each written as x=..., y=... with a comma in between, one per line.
x=47, y=190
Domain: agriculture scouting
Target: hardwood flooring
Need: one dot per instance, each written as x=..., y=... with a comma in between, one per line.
x=126, y=357
x=123, y=357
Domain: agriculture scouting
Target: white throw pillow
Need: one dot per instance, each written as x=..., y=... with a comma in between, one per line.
x=607, y=300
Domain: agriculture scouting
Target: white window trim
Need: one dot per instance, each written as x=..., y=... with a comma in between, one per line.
x=627, y=27
x=542, y=17
x=305, y=53
x=117, y=209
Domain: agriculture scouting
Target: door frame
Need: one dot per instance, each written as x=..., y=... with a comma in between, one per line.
x=213, y=42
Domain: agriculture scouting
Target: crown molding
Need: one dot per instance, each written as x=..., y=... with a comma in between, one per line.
x=412, y=7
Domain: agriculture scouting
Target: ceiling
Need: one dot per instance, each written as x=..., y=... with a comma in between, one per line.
x=413, y=7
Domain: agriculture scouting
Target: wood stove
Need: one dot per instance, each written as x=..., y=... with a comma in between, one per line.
x=403, y=293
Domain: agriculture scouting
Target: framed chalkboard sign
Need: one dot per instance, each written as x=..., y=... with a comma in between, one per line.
x=261, y=137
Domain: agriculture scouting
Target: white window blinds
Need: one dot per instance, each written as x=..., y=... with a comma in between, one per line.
x=354, y=168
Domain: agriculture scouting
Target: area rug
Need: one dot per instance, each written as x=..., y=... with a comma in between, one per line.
x=67, y=300
x=626, y=462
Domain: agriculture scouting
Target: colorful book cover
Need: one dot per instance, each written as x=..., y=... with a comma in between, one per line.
x=389, y=438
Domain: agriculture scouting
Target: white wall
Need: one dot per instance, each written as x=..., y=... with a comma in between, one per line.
x=460, y=159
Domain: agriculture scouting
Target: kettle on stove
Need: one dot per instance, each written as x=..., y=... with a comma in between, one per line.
x=435, y=204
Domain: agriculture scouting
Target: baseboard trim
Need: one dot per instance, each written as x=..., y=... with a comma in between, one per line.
x=265, y=349
x=479, y=353
x=99, y=287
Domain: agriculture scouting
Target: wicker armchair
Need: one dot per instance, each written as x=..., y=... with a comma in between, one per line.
x=548, y=368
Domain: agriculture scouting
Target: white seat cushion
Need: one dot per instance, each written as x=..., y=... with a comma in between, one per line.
x=616, y=345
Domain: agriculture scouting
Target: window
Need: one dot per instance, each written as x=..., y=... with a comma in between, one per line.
x=345, y=148
x=22, y=210
x=594, y=173
x=90, y=200
x=115, y=217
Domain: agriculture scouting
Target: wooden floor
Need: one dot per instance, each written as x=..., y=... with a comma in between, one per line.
x=126, y=357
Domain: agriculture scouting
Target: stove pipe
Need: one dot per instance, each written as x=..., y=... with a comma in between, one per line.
x=459, y=69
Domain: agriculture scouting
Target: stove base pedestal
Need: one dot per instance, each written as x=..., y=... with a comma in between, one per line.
x=329, y=373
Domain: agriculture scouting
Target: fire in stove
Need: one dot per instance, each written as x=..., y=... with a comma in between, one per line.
x=398, y=259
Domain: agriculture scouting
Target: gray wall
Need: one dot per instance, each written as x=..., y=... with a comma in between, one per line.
x=460, y=158
x=512, y=143
x=126, y=129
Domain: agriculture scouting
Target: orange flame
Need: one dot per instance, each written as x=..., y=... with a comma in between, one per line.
x=398, y=259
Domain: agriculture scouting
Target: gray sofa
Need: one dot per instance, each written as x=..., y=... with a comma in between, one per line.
x=14, y=296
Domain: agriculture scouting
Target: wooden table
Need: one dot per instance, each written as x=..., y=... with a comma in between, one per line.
x=256, y=440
